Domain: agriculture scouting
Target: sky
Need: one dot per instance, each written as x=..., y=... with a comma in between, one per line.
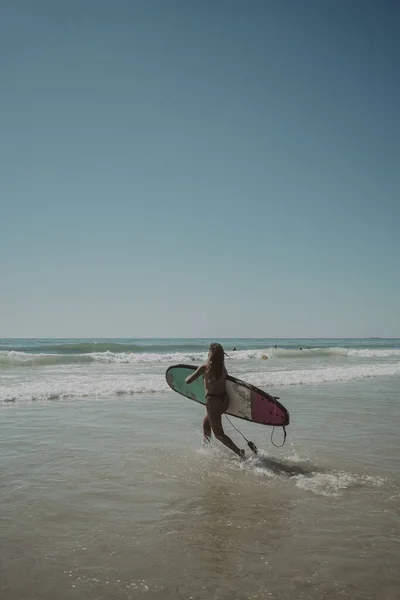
x=175, y=168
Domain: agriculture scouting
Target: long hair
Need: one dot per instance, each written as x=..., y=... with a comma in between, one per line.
x=215, y=362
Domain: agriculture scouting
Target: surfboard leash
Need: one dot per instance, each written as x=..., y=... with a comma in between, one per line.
x=275, y=398
x=284, y=437
x=251, y=445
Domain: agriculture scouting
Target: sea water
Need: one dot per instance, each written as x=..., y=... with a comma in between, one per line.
x=106, y=491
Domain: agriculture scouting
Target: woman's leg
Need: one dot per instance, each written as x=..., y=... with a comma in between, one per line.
x=206, y=429
x=215, y=409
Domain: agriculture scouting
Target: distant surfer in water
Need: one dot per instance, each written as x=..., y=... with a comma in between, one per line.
x=217, y=402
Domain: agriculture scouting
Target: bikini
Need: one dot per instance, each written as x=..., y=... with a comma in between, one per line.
x=217, y=387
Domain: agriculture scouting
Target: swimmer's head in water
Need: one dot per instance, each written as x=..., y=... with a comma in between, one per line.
x=215, y=362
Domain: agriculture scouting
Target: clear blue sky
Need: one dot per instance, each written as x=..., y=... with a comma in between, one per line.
x=199, y=168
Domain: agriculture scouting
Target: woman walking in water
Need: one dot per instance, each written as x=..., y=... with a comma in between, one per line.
x=214, y=375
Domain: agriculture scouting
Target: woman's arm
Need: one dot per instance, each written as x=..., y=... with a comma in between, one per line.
x=199, y=371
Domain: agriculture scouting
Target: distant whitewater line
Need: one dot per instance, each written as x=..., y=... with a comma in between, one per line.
x=170, y=346
x=88, y=347
x=13, y=357
x=91, y=385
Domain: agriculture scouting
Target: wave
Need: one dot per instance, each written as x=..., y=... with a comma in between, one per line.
x=83, y=387
x=87, y=347
x=323, y=375
x=333, y=351
x=64, y=385
x=10, y=358
x=15, y=357
x=307, y=352
x=374, y=353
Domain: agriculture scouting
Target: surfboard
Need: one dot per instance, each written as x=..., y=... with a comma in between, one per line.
x=245, y=400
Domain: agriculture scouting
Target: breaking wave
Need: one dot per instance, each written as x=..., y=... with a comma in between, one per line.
x=103, y=384
x=88, y=346
x=82, y=387
x=322, y=375
x=16, y=357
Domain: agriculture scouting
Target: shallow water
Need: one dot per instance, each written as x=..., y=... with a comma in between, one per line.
x=112, y=496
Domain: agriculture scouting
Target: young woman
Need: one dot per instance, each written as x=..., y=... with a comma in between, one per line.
x=214, y=375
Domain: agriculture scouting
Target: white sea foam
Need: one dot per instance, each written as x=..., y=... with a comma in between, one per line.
x=314, y=376
x=332, y=484
x=147, y=357
x=332, y=351
x=15, y=357
x=374, y=352
x=82, y=386
x=308, y=477
x=242, y=355
x=60, y=381
x=107, y=357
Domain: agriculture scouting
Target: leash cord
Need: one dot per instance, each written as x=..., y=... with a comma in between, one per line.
x=251, y=445
x=284, y=437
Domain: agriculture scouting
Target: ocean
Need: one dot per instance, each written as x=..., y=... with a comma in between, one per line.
x=107, y=493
